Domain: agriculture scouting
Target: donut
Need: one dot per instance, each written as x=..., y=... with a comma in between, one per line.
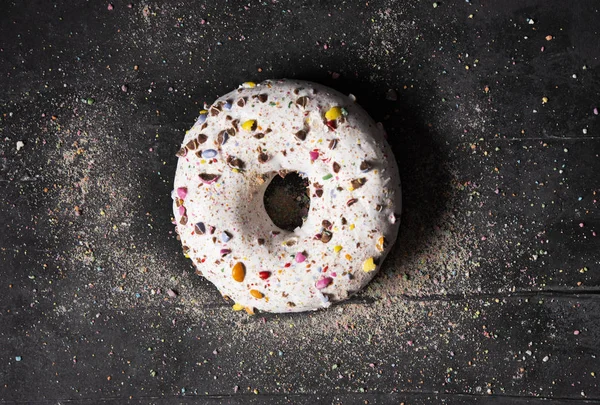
x=228, y=158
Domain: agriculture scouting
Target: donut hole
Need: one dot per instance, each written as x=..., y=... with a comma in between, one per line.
x=287, y=200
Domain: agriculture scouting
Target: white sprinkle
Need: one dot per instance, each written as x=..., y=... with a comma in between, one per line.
x=20, y=145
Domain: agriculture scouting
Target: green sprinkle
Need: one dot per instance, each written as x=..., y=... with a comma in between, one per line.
x=327, y=177
x=289, y=104
x=344, y=112
x=90, y=101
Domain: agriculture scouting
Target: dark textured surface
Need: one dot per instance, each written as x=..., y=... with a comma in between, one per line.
x=489, y=296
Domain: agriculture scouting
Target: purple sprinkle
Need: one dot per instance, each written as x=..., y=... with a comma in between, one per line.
x=201, y=119
x=595, y=111
x=171, y=293
x=324, y=282
x=200, y=228
x=227, y=105
x=209, y=153
x=225, y=236
x=211, y=229
x=300, y=257
x=225, y=252
x=314, y=155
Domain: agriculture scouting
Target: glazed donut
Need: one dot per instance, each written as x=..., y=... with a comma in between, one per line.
x=226, y=162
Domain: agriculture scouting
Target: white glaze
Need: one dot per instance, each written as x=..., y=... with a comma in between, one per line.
x=234, y=203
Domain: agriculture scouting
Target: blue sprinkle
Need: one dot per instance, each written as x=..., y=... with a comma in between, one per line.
x=225, y=137
x=227, y=105
x=201, y=119
x=225, y=236
x=138, y=295
x=18, y=358
x=580, y=198
x=209, y=153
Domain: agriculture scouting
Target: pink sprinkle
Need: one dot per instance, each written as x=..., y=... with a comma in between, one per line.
x=595, y=111
x=130, y=5
x=182, y=192
x=542, y=49
x=576, y=332
x=593, y=233
x=483, y=238
x=410, y=343
x=581, y=225
x=181, y=210
x=171, y=293
x=324, y=282
x=325, y=46
x=300, y=257
x=202, y=21
x=314, y=155
x=110, y=7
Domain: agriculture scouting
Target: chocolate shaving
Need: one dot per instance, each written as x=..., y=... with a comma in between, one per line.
x=235, y=123
x=208, y=178
x=332, y=144
x=358, y=183
x=235, y=162
x=201, y=138
x=351, y=201
x=302, y=101
x=268, y=130
x=378, y=207
x=222, y=137
x=336, y=167
x=242, y=101
x=231, y=131
x=263, y=97
x=199, y=228
x=344, y=222
x=291, y=304
x=259, y=135
x=215, y=110
x=326, y=224
x=326, y=237
x=263, y=158
x=365, y=166
x=199, y=153
x=204, y=126
x=183, y=220
x=181, y=152
x=260, y=241
x=192, y=145
x=301, y=134
x=319, y=192
x=296, y=91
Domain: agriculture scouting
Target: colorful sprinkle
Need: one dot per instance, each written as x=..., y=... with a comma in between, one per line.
x=248, y=85
x=238, y=272
x=337, y=248
x=200, y=228
x=314, y=155
x=182, y=192
x=300, y=257
x=369, y=265
x=264, y=274
x=225, y=236
x=333, y=113
x=327, y=176
x=237, y=307
x=209, y=153
x=249, y=125
x=256, y=294
x=323, y=283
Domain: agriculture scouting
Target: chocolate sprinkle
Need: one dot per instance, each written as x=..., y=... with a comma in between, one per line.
x=336, y=167
x=365, y=166
x=235, y=162
x=201, y=138
x=332, y=144
x=351, y=201
x=182, y=152
x=242, y=101
x=319, y=192
x=326, y=224
x=263, y=97
x=259, y=135
x=192, y=145
x=326, y=237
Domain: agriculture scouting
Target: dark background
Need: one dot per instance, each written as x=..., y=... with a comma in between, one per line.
x=491, y=294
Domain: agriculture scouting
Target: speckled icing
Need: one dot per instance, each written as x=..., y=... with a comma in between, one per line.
x=228, y=159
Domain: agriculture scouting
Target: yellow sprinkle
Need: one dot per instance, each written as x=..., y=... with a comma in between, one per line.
x=249, y=85
x=379, y=244
x=187, y=256
x=247, y=125
x=337, y=248
x=333, y=114
x=369, y=265
x=348, y=257
x=351, y=226
x=237, y=307
x=350, y=188
x=544, y=100
x=235, y=170
x=203, y=161
x=249, y=310
x=203, y=111
x=256, y=294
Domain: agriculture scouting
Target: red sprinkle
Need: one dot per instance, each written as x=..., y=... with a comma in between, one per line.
x=287, y=265
x=264, y=274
